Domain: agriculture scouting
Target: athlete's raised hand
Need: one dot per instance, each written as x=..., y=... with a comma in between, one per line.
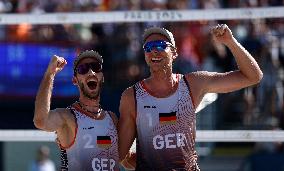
x=221, y=33
x=56, y=64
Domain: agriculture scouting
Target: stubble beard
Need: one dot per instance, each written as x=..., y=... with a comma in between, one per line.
x=92, y=96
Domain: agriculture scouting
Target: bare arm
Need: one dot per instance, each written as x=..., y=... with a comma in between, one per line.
x=127, y=123
x=44, y=118
x=248, y=72
x=129, y=161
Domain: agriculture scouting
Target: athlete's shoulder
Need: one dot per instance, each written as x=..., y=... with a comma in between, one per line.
x=128, y=92
x=61, y=111
x=64, y=113
x=199, y=77
x=127, y=101
x=131, y=90
x=199, y=74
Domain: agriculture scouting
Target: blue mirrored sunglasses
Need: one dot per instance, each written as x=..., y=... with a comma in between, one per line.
x=160, y=45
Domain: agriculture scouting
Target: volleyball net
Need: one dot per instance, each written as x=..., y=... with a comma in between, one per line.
x=202, y=136
x=174, y=17
x=144, y=16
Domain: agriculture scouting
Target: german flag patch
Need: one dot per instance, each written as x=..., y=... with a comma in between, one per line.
x=168, y=118
x=103, y=141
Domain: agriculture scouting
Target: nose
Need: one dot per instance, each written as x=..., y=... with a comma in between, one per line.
x=91, y=72
x=155, y=50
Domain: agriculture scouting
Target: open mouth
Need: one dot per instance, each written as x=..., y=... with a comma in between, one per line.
x=156, y=60
x=92, y=85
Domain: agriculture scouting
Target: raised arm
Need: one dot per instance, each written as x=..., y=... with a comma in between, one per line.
x=248, y=67
x=247, y=74
x=44, y=118
x=127, y=125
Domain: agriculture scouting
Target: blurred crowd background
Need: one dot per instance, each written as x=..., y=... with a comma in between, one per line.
x=259, y=107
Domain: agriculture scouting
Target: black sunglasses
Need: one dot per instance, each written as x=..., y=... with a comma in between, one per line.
x=84, y=68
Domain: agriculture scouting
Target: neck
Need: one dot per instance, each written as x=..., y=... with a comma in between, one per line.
x=163, y=77
x=90, y=105
x=89, y=102
x=162, y=87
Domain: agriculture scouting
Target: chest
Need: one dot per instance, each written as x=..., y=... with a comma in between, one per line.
x=93, y=133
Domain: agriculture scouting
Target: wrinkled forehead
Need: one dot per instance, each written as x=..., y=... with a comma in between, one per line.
x=156, y=36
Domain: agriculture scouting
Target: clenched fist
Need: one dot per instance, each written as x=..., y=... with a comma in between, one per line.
x=222, y=33
x=56, y=64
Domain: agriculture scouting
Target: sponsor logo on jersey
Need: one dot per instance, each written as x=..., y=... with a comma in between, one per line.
x=149, y=107
x=89, y=128
x=168, y=118
x=103, y=141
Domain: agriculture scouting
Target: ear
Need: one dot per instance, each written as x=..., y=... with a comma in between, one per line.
x=74, y=80
x=175, y=54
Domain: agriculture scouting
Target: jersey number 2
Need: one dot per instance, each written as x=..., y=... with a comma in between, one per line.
x=89, y=141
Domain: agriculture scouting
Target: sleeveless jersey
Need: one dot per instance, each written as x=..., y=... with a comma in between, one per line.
x=165, y=129
x=95, y=146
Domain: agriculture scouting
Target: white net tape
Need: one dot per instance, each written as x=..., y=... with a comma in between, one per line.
x=150, y=16
x=202, y=136
x=142, y=16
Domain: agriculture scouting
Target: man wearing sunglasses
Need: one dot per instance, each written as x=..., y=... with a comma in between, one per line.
x=159, y=111
x=86, y=133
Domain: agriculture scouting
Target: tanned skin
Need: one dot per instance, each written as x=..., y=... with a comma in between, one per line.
x=161, y=82
x=62, y=120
